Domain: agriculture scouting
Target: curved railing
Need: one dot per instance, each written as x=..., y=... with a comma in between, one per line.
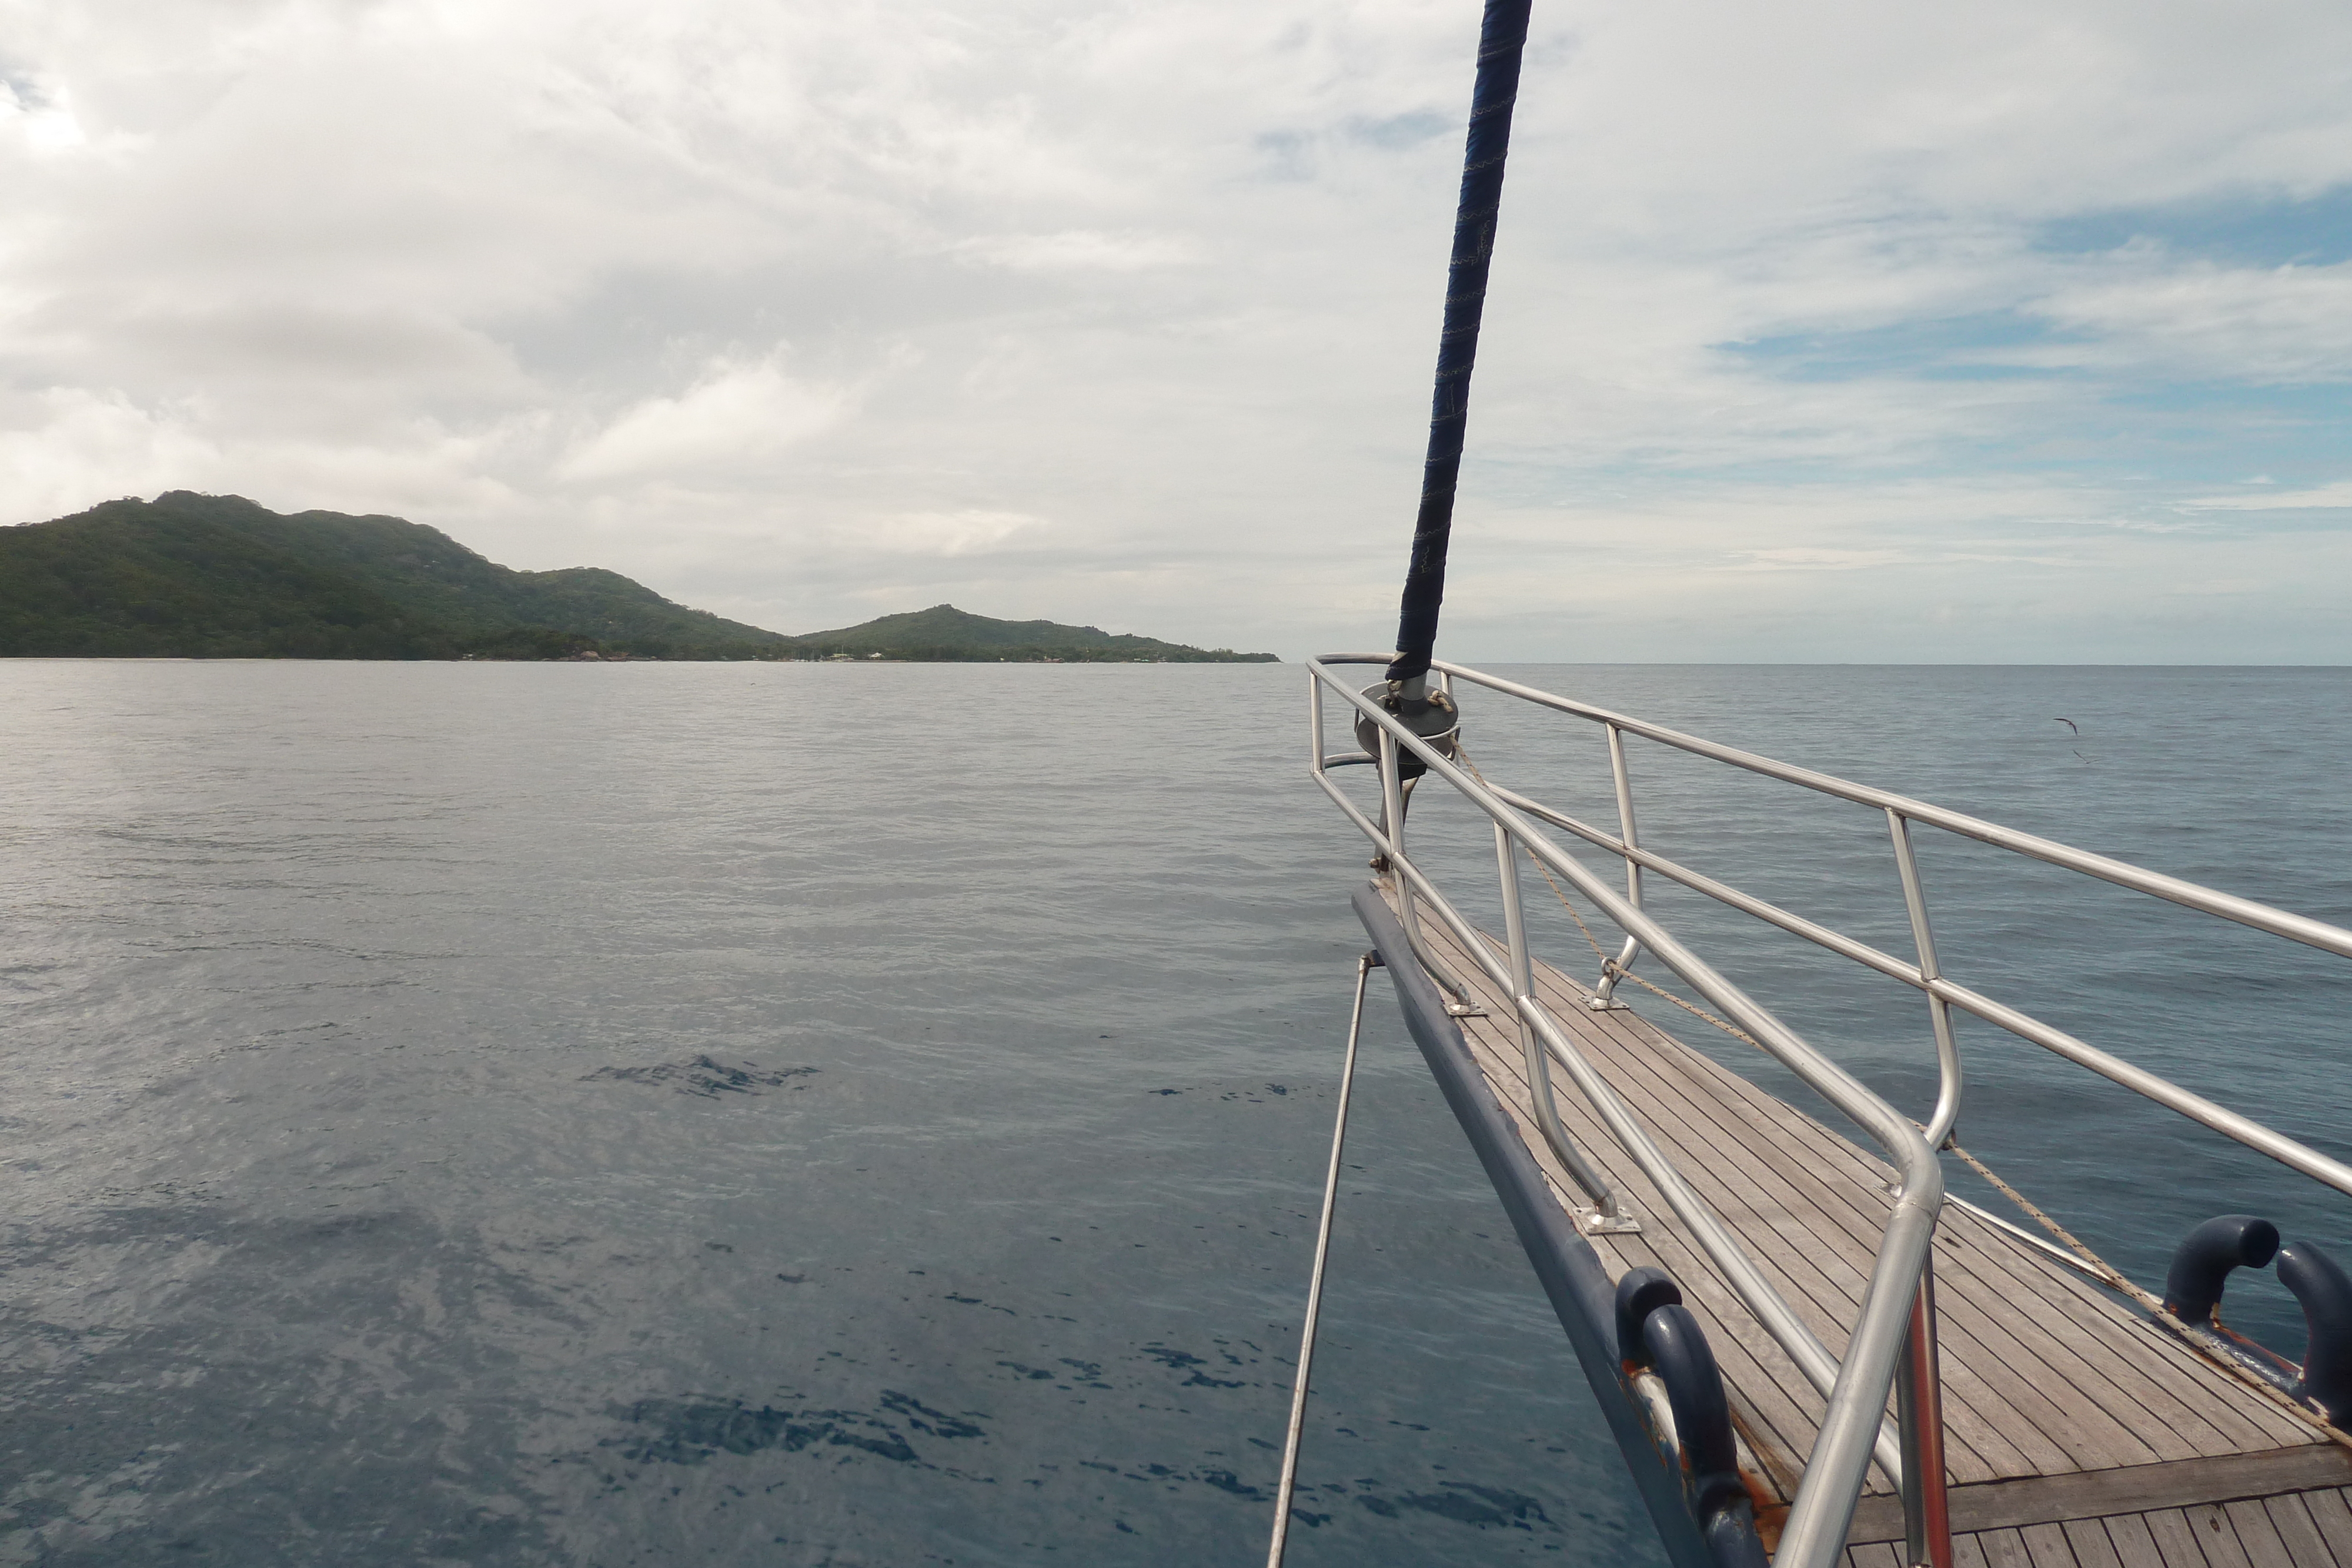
x=1854, y=1430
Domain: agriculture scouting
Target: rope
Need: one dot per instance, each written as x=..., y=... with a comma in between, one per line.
x=2114, y=1279
x=2109, y=1275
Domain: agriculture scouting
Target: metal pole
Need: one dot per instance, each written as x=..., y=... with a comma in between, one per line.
x=1315, y=1283
x=1939, y=1011
x=1392, y=799
x=1608, y=1213
x=1314, y=726
x=1604, y=993
x=1919, y=1407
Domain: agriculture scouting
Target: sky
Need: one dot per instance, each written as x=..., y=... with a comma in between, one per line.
x=1833, y=331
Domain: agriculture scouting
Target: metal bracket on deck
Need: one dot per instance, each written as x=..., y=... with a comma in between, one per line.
x=1593, y=1222
x=1607, y=1005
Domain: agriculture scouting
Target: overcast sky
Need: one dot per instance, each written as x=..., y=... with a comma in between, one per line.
x=2013, y=331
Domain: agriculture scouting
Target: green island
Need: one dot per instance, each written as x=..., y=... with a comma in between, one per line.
x=218, y=576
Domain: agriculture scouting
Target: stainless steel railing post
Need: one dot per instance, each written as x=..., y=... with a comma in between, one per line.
x=1391, y=806
x=1939, y=1011
x=1315, y=725
x=1605, y=994
x=1608, y=1214
x=1393, y=829
x=1919, y=1413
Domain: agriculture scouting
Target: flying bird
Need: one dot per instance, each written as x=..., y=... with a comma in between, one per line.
x=2070, y=724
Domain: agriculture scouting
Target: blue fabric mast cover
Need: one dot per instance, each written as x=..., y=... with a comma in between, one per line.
x=1502, y=40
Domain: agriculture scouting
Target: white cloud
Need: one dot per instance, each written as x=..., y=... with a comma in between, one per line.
x=2285, y=324
x=962, y=533
x=70, y=447
x=1082, y=250
x=1169, y=276
x=2318, y=497
x=736, y=415
x=37, y=118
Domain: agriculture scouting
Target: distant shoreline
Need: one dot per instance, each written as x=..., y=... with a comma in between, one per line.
x=218, y=576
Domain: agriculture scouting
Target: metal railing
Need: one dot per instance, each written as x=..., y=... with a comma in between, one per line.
x=1896, y=1308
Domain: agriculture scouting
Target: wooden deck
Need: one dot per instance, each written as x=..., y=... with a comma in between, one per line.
x=2079, y=1435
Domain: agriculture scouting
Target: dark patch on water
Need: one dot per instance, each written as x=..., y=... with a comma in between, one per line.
x=707, y=1076
x=1463, y=1503
x=923, y=1418
x=693, y=1431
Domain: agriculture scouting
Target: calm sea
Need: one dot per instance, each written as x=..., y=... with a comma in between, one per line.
x=873, y=1115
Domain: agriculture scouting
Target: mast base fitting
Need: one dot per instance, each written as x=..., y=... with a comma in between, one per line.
x=1429, y=714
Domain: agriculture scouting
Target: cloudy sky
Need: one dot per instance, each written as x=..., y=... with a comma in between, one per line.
x=1825, y=331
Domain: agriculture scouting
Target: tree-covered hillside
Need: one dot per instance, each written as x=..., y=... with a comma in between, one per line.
x=945, y=633
x=218, y=576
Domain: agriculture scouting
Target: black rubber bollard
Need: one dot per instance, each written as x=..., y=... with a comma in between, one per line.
x=2326, y=1299
x=2201, y=1263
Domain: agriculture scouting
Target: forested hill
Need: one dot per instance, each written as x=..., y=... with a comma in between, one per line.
x=194, y=576
x=945, y=633
x=218, y=576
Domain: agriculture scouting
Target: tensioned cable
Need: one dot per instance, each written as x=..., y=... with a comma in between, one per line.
x=1315, y=1283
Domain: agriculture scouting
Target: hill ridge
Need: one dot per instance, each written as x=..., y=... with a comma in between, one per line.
x=190, y=575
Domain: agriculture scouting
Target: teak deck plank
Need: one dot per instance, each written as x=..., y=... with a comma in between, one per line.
x=2176, y=1540
x=2137, y=1546
x=2296, y=1531
x=2093, y=1547
x=2210, y=1524
x=2258, y=1534
x=2079, y=1435
x=2154, y=1408
x=2049, y=1547
x=2330, y=1512
x=2220, y=1427
x=2005, y=1549
x=2183, y=1427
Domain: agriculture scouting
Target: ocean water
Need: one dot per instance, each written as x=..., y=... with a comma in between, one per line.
x=874, y=1115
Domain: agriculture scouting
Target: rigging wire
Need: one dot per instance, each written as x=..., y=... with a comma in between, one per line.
x=1315, y=1283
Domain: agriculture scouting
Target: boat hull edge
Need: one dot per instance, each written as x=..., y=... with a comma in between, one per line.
x=1582, y=1293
